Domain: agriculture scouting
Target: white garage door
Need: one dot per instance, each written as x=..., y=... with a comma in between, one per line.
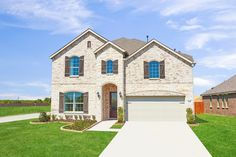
x=156, y=109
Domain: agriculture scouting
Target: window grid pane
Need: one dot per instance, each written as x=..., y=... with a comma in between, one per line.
x=109, y=66
x=73, y=101
x=74, y=66
x=154, y=69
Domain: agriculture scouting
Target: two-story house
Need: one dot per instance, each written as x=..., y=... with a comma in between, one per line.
x=93, y=76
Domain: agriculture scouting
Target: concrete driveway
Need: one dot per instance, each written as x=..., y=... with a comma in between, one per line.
x=153, y=139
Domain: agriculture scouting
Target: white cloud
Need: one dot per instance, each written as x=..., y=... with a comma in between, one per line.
x=56, y=16
x=198, y=41
x=34, y=84
x=225, y=61
x=191, y=24
x=203, y=82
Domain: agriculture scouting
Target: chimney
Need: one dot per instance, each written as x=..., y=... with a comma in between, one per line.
x=147, y=37
x=174, y=49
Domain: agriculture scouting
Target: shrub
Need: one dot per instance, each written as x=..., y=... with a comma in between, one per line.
x=53, y=117
x=94, y=117
x=76, y=117
x=43, y=117
x=80, y=117
x=190, y=117
x=120, y=114
x=69, y=117
x=86, y=117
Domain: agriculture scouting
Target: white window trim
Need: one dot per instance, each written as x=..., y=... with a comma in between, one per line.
x=218, y=102
x=73, y=103
x=210, y=102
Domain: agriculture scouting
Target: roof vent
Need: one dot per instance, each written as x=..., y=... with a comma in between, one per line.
x=147, y=38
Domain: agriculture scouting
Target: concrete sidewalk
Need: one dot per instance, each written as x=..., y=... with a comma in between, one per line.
x=152, y=139
x=18, y=117
x=104, y=126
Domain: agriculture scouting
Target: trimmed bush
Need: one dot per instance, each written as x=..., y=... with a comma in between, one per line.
x=120, y=114
x=76, y=117
x=94, y=117
x=190, y=117
x=43, y=117
x=53, y=117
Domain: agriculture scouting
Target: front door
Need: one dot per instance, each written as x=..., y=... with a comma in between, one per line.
x=113, y=104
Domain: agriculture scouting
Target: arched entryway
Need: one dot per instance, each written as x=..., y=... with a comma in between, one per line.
x=109, y=101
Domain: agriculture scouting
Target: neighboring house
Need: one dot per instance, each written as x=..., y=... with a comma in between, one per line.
x=94, y=76
x=222, y=98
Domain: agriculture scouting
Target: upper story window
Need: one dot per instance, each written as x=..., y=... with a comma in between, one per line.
x=73, y=102
x=89, y=45
x=154, y=69
x=74, y=66
x=109, y=66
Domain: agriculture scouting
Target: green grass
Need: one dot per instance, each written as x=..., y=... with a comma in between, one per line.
x=21, y=139
x=15, y=110
x=218, y=134
x=117, y=126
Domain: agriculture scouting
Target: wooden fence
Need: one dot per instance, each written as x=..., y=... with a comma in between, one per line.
x=198, y=107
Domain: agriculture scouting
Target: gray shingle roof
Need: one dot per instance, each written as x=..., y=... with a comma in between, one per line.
x=228, y=86
x=132, y=45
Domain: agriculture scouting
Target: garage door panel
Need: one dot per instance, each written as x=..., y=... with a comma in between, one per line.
x=156, y=110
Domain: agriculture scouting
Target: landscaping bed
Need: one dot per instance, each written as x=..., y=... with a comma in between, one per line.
x=217, y=133
x=80, y=125
x=117, y=125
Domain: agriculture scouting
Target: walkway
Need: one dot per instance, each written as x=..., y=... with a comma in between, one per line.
x=18, y=117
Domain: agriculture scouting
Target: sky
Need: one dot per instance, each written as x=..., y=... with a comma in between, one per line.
x=31, y=30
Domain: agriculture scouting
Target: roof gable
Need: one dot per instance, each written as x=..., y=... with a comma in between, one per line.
x=77, y=38
x=110, y=44
x=185, y=57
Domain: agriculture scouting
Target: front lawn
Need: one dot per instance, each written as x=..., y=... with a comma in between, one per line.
x=218, y=134
x=18, y=139
x=15, y=110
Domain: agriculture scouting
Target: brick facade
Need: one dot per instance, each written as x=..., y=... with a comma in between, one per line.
x=231, y=110
x=129, y=80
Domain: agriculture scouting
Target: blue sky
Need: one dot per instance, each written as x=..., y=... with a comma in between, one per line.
x=31, y=30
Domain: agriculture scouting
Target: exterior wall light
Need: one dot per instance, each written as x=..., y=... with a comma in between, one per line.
x=98, y=94
x=120, y=94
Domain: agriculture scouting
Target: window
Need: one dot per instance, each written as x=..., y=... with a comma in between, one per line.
x=210, y=101
x=89, y=45
x=109, y=67
x=223, y=101
x=73, y=102
x=154, y=69
x=74, y=66
x=226, y=102
x=218, y=102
